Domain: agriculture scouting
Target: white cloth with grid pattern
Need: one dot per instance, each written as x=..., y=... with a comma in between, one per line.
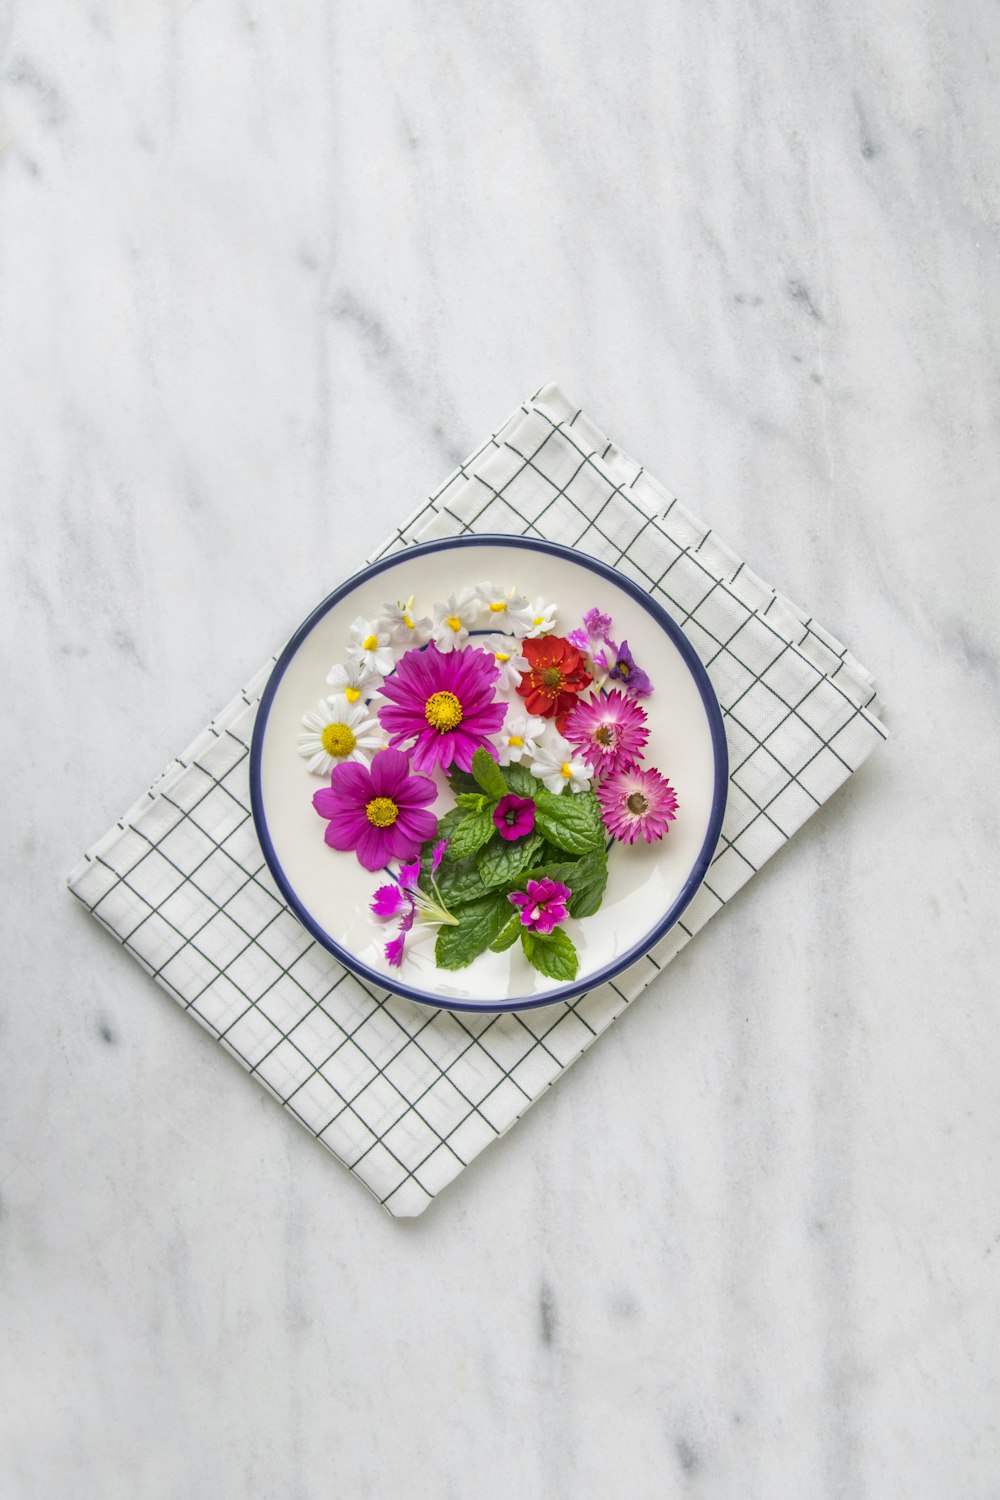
x=404, y=1096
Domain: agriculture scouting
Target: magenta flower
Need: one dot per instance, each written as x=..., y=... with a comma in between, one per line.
x=592, y=639
x=637, y=803
x=407, y=901
x=610, y=732
x=444, y=702
x=514, y=816
x=381, y=811
x=542, y=905
x=625, y=670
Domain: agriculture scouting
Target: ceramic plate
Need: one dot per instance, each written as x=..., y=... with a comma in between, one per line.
x=649, y=885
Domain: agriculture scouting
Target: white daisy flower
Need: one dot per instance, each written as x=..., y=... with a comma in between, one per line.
x=370, y=645
x=453, y=618
x=339, y=730
x=510, y=663
x=518, y=739
x=353, y=681
x=510, y=611
x=404, y=631
x=543, y=618
x=557, y=763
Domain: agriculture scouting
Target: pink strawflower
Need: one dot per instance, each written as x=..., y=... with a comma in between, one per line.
x=514, y=816
x=542, y=905
x=444, y=702
x=610, y=732
x=379, y=811
x=637, y=802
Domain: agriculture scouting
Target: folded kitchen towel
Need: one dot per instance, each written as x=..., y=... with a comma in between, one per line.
x=404, y=1096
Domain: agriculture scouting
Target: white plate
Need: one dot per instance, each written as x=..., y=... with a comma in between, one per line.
x=648, y=886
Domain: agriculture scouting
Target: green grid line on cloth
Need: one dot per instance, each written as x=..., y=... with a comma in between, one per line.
x=403, y=1096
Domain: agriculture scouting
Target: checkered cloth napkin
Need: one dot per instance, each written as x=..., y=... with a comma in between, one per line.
x=404, y=1096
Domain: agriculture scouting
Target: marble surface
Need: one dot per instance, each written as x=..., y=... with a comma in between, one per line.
x=266, y=273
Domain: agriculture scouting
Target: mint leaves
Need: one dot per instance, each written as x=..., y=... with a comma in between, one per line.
x=481, y=869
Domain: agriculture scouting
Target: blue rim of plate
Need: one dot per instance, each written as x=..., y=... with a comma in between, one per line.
x=699, y=869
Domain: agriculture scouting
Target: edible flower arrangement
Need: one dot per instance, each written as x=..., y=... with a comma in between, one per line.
x=539, y=737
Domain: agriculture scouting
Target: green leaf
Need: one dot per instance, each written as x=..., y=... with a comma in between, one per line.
x=520, y=780
x=488, y=774
x=462, y=781
x=508, y=935
x=471, y=801
x=572, y=823
x=481, y=923
x=446, y=827
x=475, y=830
x=552, y=955
x=502, y=862
x=458, y=882
x=587, y=878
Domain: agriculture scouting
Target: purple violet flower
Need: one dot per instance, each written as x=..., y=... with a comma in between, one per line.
x=591, y=639
x=625, y=670
x=514, y=816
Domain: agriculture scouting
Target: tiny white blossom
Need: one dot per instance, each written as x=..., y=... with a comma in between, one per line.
x=405, y=631
x=370, y=644
x=556, y=763
x=336, y=731
x=452, y=619
x=518, y=739
x=508, y=610
x=543, y=618
x=510, y=663
x=354, y=680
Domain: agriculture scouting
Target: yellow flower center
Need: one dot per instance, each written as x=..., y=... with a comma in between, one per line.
x=443, y=711
x=408, y=622
x=453, y=622
x=538, y=620
x=382, y=811
x=338, y=740
x=566, y=770
x=515, y=739
x=623, y=669
x=498, y=606
x=502, y=655
x=352, y=694
x=370, y=643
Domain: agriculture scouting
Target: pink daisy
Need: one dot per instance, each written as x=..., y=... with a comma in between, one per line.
x=381, y=812
x=635, y=802
x=610, y=732
x=444, y=702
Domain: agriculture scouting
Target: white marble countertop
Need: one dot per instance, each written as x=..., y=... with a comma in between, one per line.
x=266, y=273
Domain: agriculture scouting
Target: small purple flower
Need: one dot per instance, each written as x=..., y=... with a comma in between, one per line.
x=593, y=637
x=390, y=900
x=543, y=905
x=625, y=670
x=437, y=855
x=405, y=900
x=514, y=816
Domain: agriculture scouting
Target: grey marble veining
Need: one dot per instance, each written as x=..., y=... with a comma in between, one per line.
x=266, y=272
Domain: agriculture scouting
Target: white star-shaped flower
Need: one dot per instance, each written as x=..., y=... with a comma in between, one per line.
x=518, y=739
x=508, y=610
x=453, y=618
x=510, y=663
x=353, y=680
x=543, y=618
x=557, y=763
x=371, y=645
x=405, y=631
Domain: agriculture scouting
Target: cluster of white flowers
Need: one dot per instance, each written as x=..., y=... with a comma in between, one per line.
x=344, y=726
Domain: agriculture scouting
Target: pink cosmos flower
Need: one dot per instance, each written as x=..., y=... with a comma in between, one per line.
x=542, y=905
x=610, y=732
x=379, y=811
x=637, y=803
x=514, y=816
x=444, y=702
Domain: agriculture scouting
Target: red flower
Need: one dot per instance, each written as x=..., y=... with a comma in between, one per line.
x=556, y=674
